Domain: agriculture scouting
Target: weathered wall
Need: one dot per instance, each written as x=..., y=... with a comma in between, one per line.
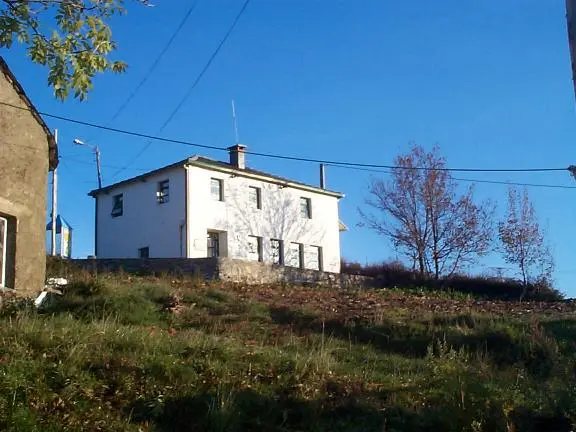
x=232, y=270
x=23, y=187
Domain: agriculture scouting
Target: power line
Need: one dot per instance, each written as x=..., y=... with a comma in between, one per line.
x=466, y=179
x=193, y=86
x=154, y=64
x=278, y=156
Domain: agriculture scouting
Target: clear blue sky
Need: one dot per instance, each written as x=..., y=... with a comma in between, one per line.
x=490, y=83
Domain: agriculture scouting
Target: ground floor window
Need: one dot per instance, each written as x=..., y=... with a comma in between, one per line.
x=296, y=255
x=313, y=258
x=255, y=248
x=144, y=253
x=213, y=244
x=3, y=245
x=277, y=249
x=7, y=251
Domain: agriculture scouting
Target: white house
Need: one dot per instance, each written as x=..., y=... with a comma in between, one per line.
x=199, y=208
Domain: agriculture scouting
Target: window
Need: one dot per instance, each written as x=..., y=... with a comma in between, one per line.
x=163, y=192
x=216, y=189
x=277, y=247
x=306, y=208
x=117, y=205
x=7, y=251
x=296, y=255
x=144, y=253
x=3, y=246
x=255, y=197
x=255, y=248
x=213, y=245
x=313, y=258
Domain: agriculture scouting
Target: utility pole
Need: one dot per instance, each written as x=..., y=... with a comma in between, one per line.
x=54, y=203
x=96, y=150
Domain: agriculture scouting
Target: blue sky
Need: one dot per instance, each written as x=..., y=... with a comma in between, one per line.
x=489, y=83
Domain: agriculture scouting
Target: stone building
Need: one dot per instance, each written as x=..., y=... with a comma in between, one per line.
x=27, y=153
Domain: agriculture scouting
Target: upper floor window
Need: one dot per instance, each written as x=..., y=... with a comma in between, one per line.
x=163, y=192
x=117, y=205
x=306, y=208
x=255, y=196
x=216, y=189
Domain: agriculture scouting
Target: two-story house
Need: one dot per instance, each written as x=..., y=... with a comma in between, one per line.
x=199, y=208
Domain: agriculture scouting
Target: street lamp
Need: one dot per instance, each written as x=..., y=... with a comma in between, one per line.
x=96, y=152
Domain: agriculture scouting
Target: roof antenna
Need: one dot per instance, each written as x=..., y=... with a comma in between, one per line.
x=235, y=120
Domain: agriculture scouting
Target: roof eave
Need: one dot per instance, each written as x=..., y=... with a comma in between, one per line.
x=52, y=145
x=270, y=179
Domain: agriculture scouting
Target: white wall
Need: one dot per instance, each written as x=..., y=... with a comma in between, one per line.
x=144, y=222
x=279, y=218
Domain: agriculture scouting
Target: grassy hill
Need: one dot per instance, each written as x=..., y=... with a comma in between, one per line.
x=125, y=353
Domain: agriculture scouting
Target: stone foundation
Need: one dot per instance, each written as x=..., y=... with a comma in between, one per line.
x=226, y=269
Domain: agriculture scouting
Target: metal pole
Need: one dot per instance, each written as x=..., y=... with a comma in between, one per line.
x=97, y=151
x=54, y=203
x=322, y=177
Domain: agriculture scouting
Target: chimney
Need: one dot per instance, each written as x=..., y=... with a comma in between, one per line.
x=322, y=177
x=237, y=156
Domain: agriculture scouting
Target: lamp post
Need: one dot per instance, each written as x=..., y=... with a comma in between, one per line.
x=96, y=152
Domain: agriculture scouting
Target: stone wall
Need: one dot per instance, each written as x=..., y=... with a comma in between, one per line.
x=23, y=184
x=226, y=269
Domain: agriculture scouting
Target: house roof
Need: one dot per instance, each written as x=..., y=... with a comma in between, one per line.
x=203, y=162
x=52, y=147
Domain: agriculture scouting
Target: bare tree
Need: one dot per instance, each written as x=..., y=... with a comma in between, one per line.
x=421, y=213
x=522, y=240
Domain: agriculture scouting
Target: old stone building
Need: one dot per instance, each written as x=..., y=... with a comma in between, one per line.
x=27, y=152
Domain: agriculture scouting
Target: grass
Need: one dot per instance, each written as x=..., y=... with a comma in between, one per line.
x=128, y=353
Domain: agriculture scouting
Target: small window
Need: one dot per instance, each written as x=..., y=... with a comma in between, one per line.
x=277, y=247
x=213, y=245
x=163, y=192
x=313, y=258
x=297, y=255
x=216, y=189
x=255, y=248
x=255, y=196
x=7, y=251
x=117, y=205
x=144, y=253
x=3, y=247
x=306, y=208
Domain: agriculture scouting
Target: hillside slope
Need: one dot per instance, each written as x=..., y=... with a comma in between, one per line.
x=156, y=354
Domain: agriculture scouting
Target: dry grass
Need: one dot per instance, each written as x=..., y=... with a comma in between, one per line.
x=163, y=354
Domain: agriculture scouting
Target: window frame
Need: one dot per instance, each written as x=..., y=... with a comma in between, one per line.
x=319, y=257
x=215, y=237
x=4, y=244
x=259, y=248
x=220, y=182
x=115, y=213
x=258, y=191
x=300, y=262
x=142, y=249
x=161, y=196
x=280, y=244
x=307, y=214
